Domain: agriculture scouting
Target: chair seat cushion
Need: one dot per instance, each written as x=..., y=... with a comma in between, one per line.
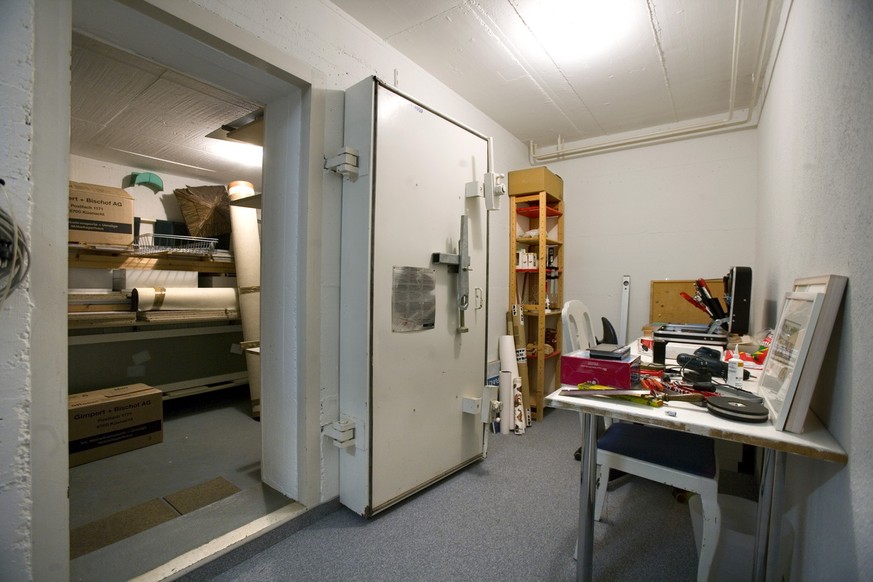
x=689, y=453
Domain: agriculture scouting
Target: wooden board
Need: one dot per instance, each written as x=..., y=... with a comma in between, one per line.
x=104, y=259
x=667, y=306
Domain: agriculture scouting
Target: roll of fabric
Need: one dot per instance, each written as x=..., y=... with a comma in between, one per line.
x=183, y=299
x=504, y=394
x=508, y=365
x=247, y=259
x=506, y=351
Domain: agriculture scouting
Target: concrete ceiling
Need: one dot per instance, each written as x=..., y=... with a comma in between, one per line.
x=662, y=66
x=553, y=71
x=134, y=112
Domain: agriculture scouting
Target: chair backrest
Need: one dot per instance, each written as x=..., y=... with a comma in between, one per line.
x=578, y=331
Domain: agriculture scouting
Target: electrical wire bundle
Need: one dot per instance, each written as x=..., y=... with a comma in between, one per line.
x=14, y=253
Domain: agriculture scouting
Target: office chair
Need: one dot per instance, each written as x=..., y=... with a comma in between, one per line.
x=683, y=460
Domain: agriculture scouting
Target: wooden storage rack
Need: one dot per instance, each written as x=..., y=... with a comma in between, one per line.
x=118, y=326
x=539, y=289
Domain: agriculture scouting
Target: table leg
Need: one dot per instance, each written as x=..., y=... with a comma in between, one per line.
x=585, y=540
x=765, y=500
x=774, y=536
x=769, y=527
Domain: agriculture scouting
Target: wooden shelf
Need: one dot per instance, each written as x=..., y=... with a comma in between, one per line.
x=106, y=257
x=554, y=354
x=544, y=213
x=103, y=323
x=534, y=211
x=530, y=241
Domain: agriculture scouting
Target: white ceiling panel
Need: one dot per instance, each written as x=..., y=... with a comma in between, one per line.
x=528, y=63
x=389, y=17
x=531, y=65
x=131, y=111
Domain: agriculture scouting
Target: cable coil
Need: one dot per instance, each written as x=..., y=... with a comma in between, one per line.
x=14, y=252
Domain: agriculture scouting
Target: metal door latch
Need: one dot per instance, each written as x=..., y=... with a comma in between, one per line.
x=491, y=188
x=460, y=264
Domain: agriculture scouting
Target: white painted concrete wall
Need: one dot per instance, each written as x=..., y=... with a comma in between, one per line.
x=680, y=210
x=815, y=216
x=16, y=92
x=34, y=55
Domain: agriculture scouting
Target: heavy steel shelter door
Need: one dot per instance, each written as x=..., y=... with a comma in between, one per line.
x=412, y=344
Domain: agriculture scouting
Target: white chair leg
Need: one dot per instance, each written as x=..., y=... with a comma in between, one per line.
x=711, y=532
x=600, y=495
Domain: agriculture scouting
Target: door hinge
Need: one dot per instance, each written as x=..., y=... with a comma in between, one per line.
x=345, y=163
x=341, y=433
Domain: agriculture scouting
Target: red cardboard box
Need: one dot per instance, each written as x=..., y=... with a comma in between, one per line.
x=578, y=368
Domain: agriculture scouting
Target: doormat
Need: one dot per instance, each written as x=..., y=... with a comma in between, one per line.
x=139, y=518
x=118, y=526
x=188, y=500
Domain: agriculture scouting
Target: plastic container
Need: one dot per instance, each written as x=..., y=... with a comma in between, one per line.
x=736, y=544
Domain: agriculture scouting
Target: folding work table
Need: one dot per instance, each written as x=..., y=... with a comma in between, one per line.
x=815, y=442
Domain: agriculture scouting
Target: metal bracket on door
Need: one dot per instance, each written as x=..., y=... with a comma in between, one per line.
x=460, y=264
x=344, y=163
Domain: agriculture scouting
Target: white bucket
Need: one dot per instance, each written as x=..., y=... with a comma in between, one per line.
x=736, y=544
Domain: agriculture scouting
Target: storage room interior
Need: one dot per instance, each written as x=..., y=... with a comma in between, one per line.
x=196, y=356
x=230, y=141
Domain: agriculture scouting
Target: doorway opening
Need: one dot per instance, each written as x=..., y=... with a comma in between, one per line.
x=212, y=444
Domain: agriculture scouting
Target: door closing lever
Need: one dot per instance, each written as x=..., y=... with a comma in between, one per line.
x=460, y=264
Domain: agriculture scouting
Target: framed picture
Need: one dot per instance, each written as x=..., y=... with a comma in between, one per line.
x=788, y=352
x=833, y=287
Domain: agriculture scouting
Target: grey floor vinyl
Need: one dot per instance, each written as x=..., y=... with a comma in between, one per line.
x=510, y=517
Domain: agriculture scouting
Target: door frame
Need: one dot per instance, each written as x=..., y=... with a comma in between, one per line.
x=297, y=425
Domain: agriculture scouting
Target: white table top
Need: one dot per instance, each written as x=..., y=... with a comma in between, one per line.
x=815, y=441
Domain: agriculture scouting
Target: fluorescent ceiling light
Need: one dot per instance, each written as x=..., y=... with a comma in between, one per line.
x=577, y=29
x=246, y=154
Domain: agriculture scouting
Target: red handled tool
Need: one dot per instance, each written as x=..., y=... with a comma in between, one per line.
x=710, y=301
x=694, y=302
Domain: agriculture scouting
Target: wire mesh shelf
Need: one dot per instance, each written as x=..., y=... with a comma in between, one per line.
x=157, y=244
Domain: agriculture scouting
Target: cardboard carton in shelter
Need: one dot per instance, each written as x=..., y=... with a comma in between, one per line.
x=114, y=420
x=100, y=215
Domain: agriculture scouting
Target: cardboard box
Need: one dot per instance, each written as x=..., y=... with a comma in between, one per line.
x=100, y=215
x=578, y=368
x=535, y=180
x=114, y=420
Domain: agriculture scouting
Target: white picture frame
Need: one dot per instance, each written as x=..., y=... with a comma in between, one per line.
x=788, y=352
x=833, y=286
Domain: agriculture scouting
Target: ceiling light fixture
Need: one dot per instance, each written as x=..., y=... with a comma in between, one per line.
x=245, y=154
x=577, y=29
